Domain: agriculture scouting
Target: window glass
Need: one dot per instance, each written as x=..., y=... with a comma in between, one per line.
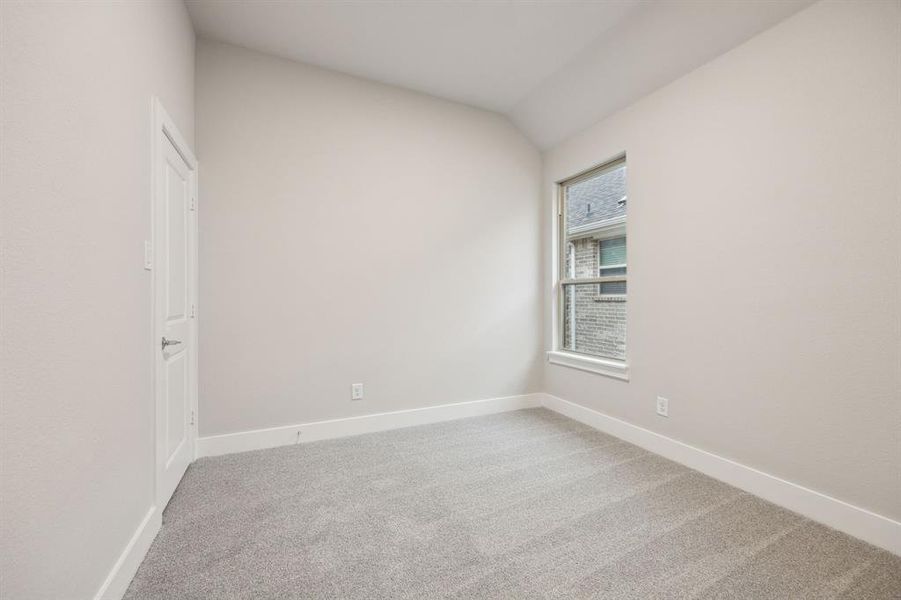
x=613, y=251
x=592, y=327
x=597, y=199
x=593, y=263
x=613, y=262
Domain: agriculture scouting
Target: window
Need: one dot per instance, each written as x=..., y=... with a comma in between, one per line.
x=593, y=265
x=612, y=261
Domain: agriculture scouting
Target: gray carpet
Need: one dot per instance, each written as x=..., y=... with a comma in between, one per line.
x=527, y=504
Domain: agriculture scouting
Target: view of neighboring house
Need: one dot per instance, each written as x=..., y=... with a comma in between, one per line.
x=594, y=314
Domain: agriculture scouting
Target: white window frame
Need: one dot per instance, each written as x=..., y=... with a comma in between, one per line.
x=611, y=228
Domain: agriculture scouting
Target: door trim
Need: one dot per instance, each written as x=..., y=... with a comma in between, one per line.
x=163, y=125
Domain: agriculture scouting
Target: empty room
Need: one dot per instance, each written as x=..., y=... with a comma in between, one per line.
x=415, y=299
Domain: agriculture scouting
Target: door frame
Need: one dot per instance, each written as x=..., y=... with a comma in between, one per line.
x=163, y=125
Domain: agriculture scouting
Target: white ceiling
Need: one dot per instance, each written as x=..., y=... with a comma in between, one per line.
x=552, y=66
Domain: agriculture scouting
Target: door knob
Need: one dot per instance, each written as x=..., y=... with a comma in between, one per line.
x=169, y=342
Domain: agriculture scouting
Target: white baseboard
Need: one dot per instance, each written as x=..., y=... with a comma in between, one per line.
x=120, y=576
x=855, y=521
x=868, y=526
x=126, y=566
x=321, y=430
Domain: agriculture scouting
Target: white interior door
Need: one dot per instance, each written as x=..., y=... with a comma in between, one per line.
x=175, y=268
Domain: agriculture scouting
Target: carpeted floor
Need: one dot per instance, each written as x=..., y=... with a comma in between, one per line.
x=526, y=504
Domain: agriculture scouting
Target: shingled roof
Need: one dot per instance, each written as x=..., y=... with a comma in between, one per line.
x=596, y=199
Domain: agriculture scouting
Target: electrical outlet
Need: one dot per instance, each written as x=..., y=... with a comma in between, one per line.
x=662, y=406
x=356, y=391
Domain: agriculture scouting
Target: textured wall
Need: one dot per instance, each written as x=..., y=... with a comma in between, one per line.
x=764, y=279
x=77, y=412
x=356, y=232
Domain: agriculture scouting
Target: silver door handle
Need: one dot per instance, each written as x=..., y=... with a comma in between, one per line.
x=169, y=342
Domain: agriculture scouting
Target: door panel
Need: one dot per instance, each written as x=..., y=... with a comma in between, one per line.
x=176, y=248
x=175, y=282
x=176, y=414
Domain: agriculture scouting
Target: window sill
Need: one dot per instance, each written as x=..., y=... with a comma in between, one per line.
x=602, y=366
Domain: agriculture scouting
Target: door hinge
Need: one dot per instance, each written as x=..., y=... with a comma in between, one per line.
x=192, y=416
x=193, y=205
x=193, y=311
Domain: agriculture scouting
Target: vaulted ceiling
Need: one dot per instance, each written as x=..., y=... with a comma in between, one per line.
x=552, y=66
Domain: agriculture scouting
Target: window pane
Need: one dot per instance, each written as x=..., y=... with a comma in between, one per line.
x=582, y=258
x=613, y=251
x=596, y=199
x=594, y=324
x=613, y=287
x=593, y=244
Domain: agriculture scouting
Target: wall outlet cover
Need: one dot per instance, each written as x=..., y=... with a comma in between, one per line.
x=662, y=406
x=356, y=391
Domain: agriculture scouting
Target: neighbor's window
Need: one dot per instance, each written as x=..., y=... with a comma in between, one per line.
x=612, y=261
x=593, y=262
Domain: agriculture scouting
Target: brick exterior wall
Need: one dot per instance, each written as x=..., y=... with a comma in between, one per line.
x=600, y=326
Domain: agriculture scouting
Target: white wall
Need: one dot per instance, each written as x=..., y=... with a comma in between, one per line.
x=356, y=232
x=764, y=254
x=77, y=428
